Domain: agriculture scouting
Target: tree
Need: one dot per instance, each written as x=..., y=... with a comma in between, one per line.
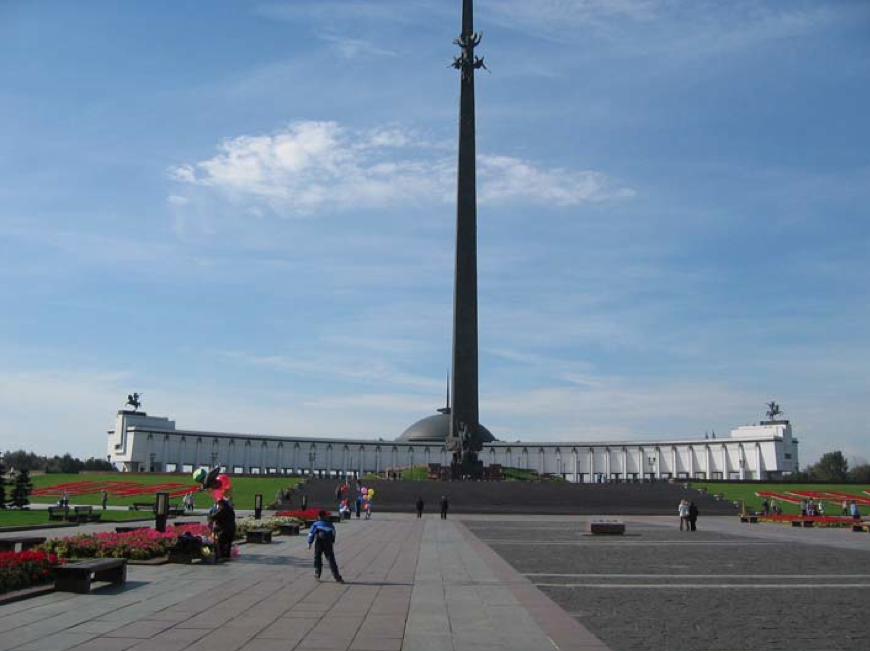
x=22, y=489
x=860, y=474
x=832, y=467
x=2, y=486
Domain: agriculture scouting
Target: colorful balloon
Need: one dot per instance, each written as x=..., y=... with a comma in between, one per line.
x=199, y=474
x=223, y=482
x=371, y=492
x=364, y=490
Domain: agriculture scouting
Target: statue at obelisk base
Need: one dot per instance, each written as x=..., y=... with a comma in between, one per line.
x=464, y=440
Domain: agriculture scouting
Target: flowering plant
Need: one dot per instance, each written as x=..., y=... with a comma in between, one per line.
x=243, y=525
x=137, y=545
x=307, y=514
x=23, y=569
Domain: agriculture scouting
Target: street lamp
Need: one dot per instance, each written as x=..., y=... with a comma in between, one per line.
x=652, y=462
x=311, y=456
x=214, y=456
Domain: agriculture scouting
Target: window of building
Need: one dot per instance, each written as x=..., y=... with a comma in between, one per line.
x=238, y=470
x=187, y=467
x=171, y=467
x=255, y=471
x=717, y=475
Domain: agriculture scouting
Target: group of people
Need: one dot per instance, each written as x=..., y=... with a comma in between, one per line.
x=688, y=515
x=445, y=505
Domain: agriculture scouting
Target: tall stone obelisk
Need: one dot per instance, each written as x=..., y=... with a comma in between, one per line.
x=463, y=440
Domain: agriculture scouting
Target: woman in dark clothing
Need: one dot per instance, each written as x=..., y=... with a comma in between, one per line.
x=693, y=515
x=419, y=505
x=223, y=525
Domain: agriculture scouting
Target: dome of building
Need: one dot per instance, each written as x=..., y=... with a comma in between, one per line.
x=434, y=429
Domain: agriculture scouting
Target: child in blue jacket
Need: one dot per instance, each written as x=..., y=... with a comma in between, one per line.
x=322, y=534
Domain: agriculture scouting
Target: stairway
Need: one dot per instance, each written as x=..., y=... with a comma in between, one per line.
x=548, y=498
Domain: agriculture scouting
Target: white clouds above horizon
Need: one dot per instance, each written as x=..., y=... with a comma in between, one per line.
x=312, y=166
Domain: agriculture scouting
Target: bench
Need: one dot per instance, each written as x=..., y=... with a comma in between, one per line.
x=129, y=528
x=861, y=527
x=259, y=536
x=751, y=519
x=289, y=529
x=83, y=514
x=57, y=513
x=25, y=542
x=334, y=519
x=77, y=577
x=185, y=523
x=607, y=527
x=142, y=506
x=802, y=523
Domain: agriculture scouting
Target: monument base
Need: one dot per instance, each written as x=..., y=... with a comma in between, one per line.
x=468, y=467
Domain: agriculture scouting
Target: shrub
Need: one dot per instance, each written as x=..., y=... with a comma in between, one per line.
x=20, y=570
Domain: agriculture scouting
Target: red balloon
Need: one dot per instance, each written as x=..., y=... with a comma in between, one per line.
x=217, y=494
x=224, y=482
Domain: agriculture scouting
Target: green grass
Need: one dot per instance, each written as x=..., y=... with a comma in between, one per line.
x=243, y=488
x=15, y=518
x=745, y=492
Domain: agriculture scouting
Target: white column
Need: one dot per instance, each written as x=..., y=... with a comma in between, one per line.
x=592, y=464
x=759, y=463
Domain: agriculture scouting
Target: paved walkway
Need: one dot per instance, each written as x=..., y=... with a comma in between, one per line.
x=412, y=585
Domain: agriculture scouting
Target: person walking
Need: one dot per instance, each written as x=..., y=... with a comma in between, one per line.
x=845, y=510
x=693, y=515
x=322, y=534
x=104, y=498
x=419, y=506
x=683, y=511
x=856, y=514
x=444, y=506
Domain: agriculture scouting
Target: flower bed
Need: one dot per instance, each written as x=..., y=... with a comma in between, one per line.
x=299, y=514
x=19, y=570
x=243, y=525
x=817, y=520
x=137, y=545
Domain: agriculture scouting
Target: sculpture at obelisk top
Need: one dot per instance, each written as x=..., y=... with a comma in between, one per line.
x=463, y=440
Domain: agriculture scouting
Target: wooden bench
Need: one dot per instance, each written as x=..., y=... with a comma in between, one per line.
x=259, y=536
x=289, y=529
x=57, y=513
x=607, y=527
x=129, y=528
x=83, y=514
x=77, y=577
x=803, y=523
x=185, y=523
x=25, y=542
x=751, y=519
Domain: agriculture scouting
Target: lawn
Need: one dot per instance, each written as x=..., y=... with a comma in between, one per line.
x=243, y=488
x=745, y=491
x=15, y=518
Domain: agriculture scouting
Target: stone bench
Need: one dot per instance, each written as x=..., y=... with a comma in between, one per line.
x=607, y=527
x=289, y=529
x=259, y=536
x=25, y=542
x=77, y=577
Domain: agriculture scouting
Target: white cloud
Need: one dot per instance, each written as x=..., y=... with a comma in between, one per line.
x=355, y=48
x=314, y=166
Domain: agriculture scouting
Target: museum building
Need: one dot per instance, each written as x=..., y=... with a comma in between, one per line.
x=143, y=443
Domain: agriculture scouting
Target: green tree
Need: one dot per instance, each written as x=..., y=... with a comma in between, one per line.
x=832, y=467
x=2, y=486
x=860, y=474
x=22, y=489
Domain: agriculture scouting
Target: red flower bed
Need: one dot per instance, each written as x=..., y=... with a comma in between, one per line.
x=113, y=488
x=307, y=514
x=137, y=545
x=20, y=570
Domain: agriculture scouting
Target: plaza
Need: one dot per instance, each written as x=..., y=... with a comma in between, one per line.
x=478, y=583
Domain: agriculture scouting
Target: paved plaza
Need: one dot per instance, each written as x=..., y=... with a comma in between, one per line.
x=512, y=583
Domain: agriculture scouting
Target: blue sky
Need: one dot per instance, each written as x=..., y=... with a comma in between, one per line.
x=245, y=211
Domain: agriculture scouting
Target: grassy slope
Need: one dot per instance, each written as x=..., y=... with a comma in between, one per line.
x=745, y=491
x=244, y=488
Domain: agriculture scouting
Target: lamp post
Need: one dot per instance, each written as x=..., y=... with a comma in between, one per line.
x=652, y=462
x=214, y=456
x=312, y=454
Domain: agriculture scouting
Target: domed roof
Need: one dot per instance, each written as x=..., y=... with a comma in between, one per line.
x=434, y=429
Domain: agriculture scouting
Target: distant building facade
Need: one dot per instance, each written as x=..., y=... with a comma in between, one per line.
x=142, y=443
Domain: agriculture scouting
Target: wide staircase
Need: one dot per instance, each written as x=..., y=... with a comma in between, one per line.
x=552, y=498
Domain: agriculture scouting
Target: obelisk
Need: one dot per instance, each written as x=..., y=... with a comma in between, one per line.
x=463, y=440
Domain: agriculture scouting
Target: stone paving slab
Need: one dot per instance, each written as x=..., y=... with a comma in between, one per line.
x=411, y=584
